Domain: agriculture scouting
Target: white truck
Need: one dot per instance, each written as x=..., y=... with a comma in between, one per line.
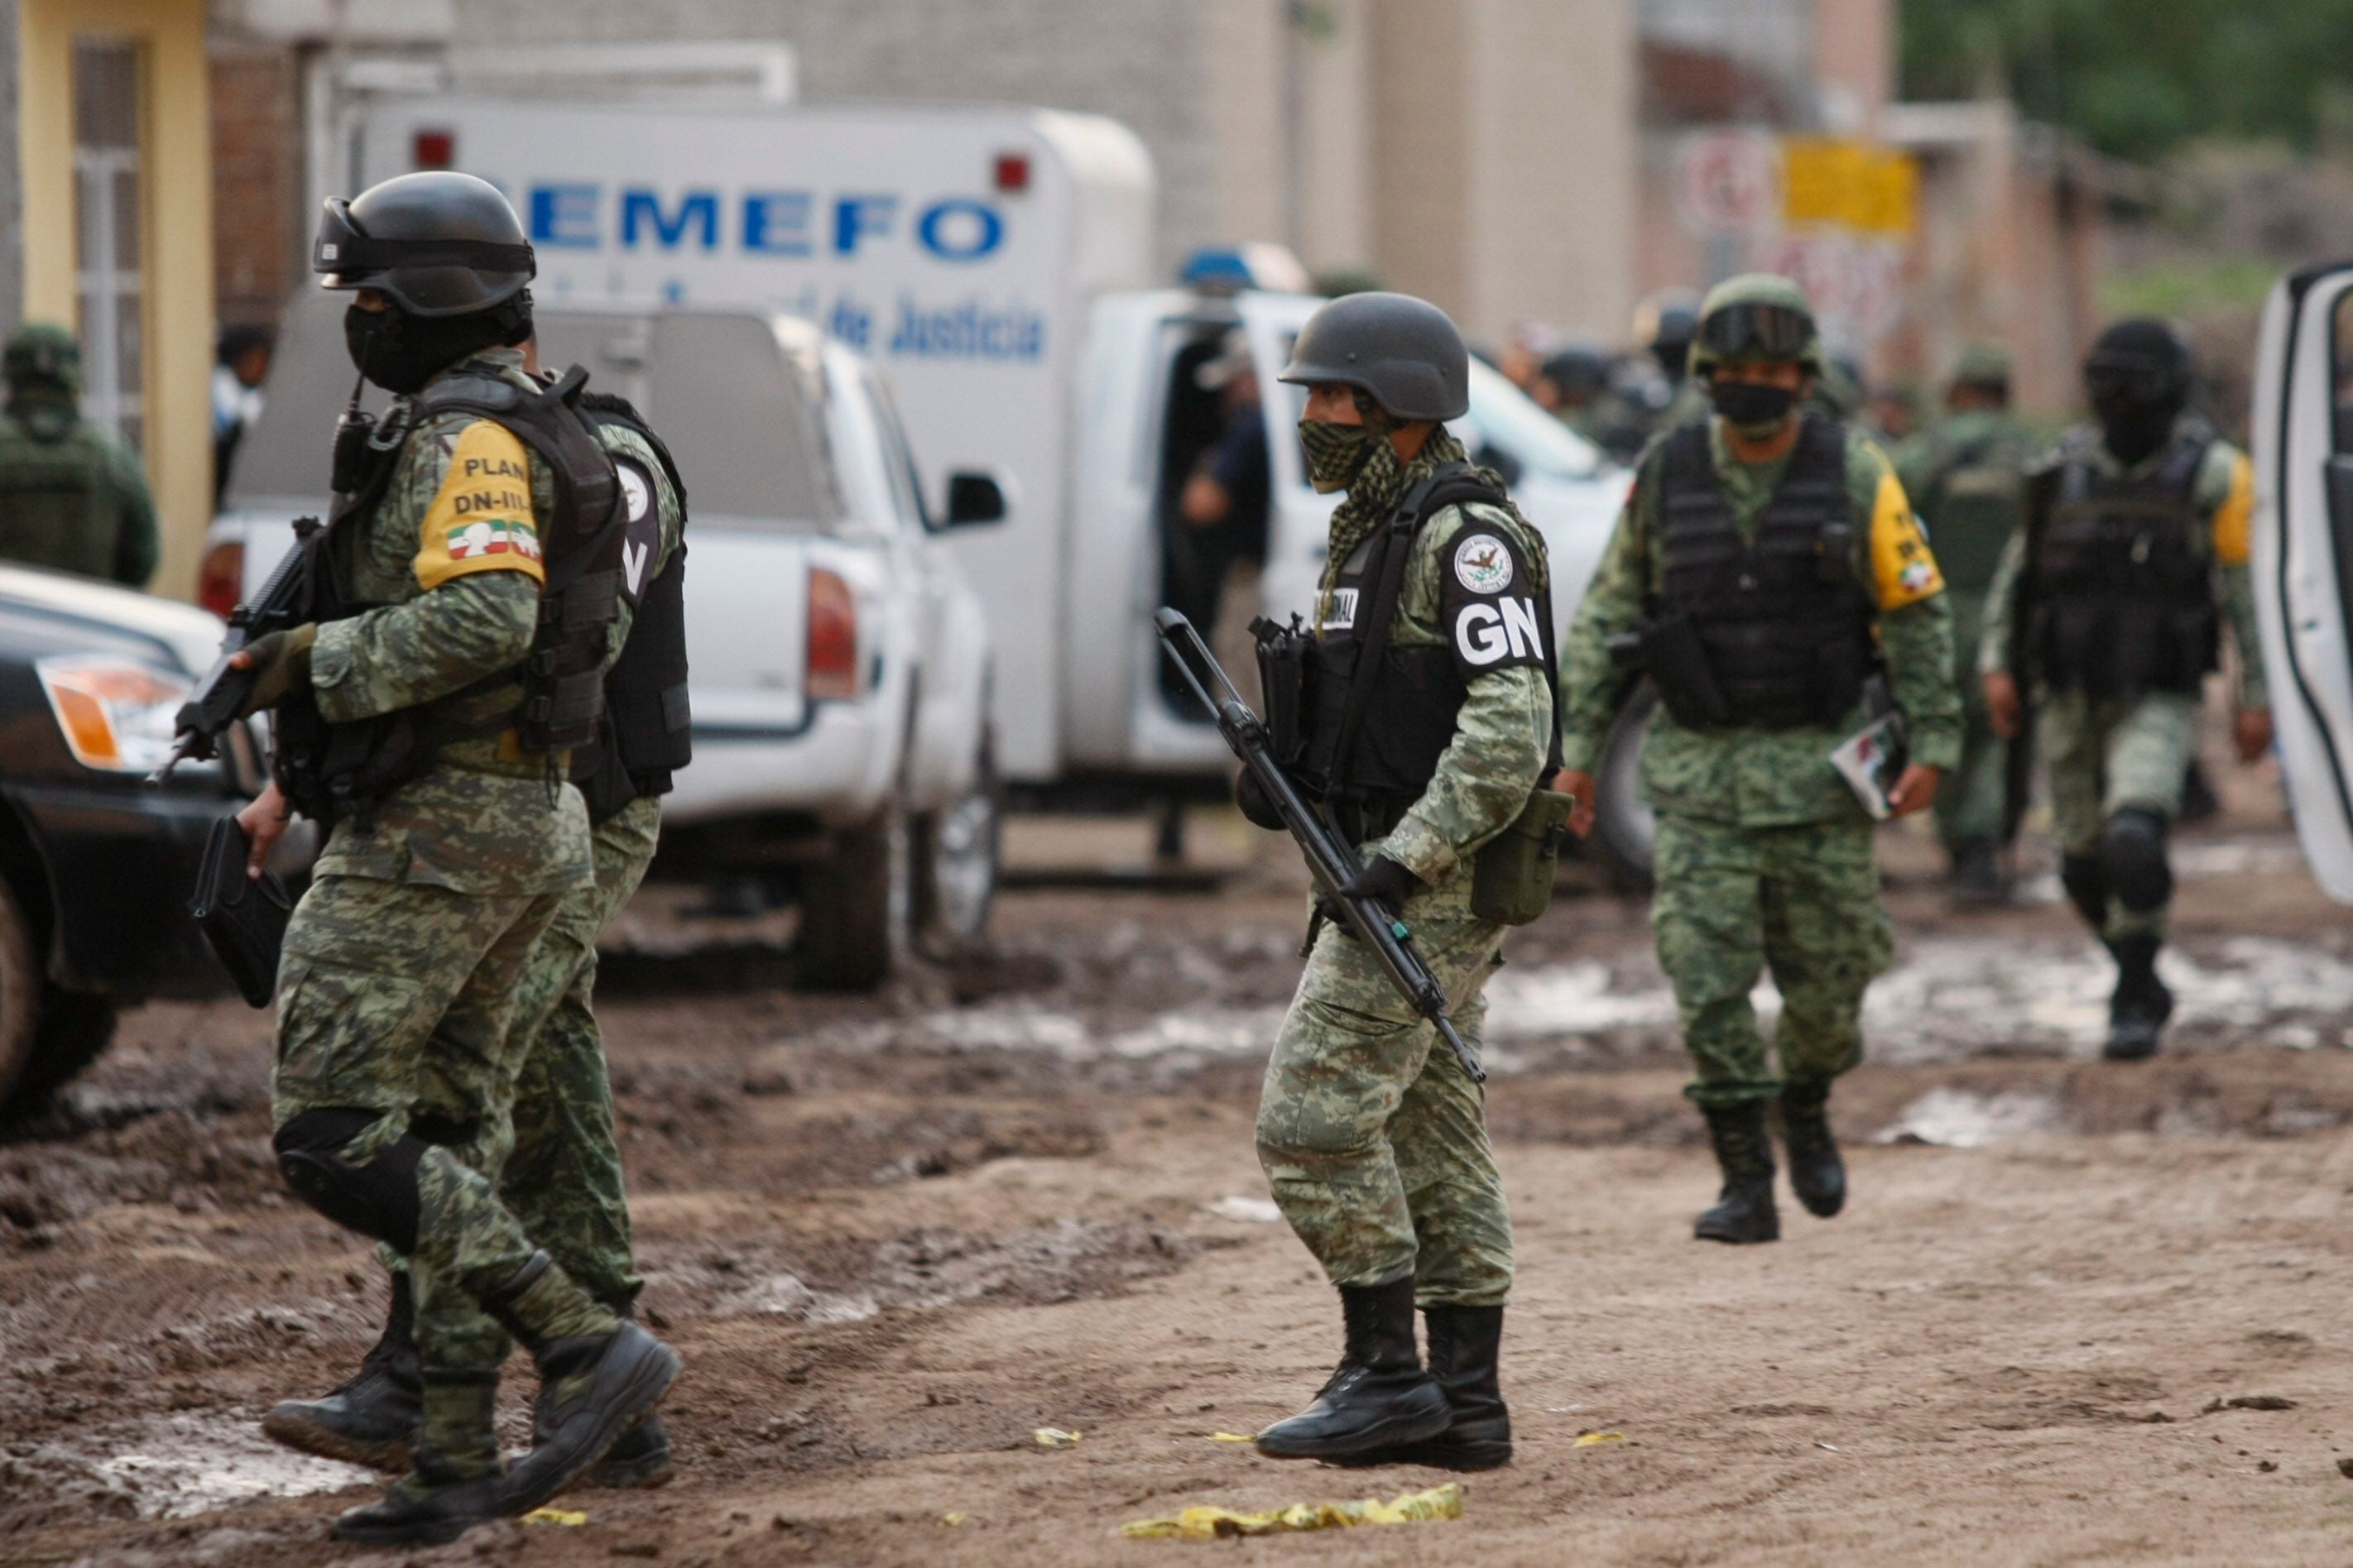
x=995, y=265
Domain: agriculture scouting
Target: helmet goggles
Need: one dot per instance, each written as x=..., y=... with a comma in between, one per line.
x=1755, y=331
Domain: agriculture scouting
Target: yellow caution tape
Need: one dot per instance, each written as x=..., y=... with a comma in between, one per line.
x=1053, y=1438
x=1593, y=1439
x=1215, y=1523
x=563, y=1515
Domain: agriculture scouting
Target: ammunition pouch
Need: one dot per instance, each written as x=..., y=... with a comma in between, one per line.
x=1668, y=649
x=1286, y=660
x=1512, y=874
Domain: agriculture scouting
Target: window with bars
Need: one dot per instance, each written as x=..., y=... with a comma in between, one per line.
x=108, y=270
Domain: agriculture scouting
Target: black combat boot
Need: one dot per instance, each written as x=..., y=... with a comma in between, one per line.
x=2137, y=1012
x=1744, y=1211
x=1817, y=1175
x=641, y=1458
x=371, y=1419
x=593, y=1388
x=1463, y=1341
x=1379, y=1397
x=1978, y=882
x=455, y=1481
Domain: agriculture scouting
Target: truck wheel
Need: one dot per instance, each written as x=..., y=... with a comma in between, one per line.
x=958, y=851
x=1625, y=832
x=855, y=907
x=23, y=998
x=76, y=1026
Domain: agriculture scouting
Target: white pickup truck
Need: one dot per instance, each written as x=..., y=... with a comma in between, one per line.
x=997, y=264
x=840, y=662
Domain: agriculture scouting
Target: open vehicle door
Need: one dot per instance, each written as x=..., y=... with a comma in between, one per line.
x=2303, y=552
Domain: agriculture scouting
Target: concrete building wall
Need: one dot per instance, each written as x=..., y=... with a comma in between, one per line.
x=1418, y=149
x=257, y=179
x=12, y=180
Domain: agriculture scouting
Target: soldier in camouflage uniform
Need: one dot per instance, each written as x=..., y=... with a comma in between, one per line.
x=1966, y=475
x=453, y=848
x=2132, y=550
x=72, y=497
x=549, y=1136
x=1769, y=564
x=1373, y=1136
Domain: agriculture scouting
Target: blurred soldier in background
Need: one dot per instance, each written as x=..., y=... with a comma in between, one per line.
x=2107, y=608
x=1664, y=325
x=72, y=496
x=1574, y=386
x=1965, y=475
x=1768, y=576
x=244, y=365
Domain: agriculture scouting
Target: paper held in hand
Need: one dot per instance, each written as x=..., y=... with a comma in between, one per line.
x=1870, y=761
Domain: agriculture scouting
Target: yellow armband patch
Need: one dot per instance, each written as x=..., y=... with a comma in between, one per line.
x=2234, y=520
x=481, y=518
x=1902, y=568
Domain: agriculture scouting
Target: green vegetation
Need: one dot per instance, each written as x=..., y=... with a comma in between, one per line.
x=2186, y=289
x=2138, y=77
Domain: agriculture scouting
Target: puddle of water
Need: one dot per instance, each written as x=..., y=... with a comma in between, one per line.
x=1960, y=1119
x=181, y=1466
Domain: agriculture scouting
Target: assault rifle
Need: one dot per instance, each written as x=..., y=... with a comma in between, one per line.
x=212, y=706
x=1331, y=859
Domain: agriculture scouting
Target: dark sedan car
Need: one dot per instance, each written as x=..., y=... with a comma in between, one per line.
x=96, y=865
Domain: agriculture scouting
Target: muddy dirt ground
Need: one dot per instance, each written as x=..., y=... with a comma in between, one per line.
x=2075, y=1312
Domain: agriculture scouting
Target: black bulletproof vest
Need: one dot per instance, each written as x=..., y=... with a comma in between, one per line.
x=564, y=679
x=1784, y=626
x=1407, y=720
x=646, y=736
x=2124, y=602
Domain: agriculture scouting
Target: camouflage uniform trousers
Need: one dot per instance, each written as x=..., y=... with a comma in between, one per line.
x=1970, y=804
x=1373, y=1137
x=1801, y=899
x=396, y=998
x=548, y=1138
x=2105, y=756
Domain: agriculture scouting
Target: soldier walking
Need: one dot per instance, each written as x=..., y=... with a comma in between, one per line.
x=464, y=599
x=2108, y=607
x=1373, y=1136
x=1779, y=591
x=549, y=1138
x=72, y=497
x=1967, y=475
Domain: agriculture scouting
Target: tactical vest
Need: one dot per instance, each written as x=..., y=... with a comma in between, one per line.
x=1782, y=623
x=58, y=502
x=334, y=770
x=645, y=736
x=1381, y=749
x=2123, y=600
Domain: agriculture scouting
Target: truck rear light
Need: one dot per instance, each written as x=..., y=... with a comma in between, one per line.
x=221, y=582
x=832, y=637
x=434, y=149
x=1012, y=172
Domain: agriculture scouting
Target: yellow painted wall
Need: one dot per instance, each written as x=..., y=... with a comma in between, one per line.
x=176, y=157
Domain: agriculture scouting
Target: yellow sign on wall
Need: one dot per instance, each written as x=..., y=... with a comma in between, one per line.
x=1831, y=182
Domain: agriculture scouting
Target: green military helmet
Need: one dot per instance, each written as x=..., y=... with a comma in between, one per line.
x=1402, y=352
x=1982, y=364
x=43, y=353
x=438, y=243
x=1756, y=316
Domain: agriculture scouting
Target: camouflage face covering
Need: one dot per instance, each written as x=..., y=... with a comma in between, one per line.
x=1378, y=484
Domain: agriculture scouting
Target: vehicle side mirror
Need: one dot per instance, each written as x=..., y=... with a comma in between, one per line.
x=974, y=498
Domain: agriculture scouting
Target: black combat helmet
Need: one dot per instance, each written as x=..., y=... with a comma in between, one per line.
x=1402, y=352
x=1580, y=369
x=438, y=244
x=2139, y=360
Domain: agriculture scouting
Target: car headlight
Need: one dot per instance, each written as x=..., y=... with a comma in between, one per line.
x=116, y=713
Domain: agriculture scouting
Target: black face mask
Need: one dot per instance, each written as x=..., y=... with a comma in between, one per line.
x=2132, y=430
x=401, y=352
x=1751, y=409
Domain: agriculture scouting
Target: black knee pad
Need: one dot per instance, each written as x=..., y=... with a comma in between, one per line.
x=378, y=1199
x=2132, y=857
x=2087, y=887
